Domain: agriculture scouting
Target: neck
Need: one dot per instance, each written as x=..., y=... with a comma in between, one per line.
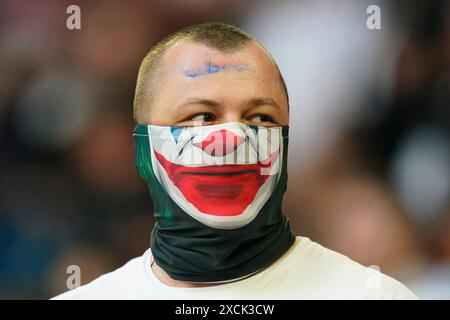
x=167, y=280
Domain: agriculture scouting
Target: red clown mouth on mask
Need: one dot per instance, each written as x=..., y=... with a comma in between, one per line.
x=223, y=190
x=232, y=179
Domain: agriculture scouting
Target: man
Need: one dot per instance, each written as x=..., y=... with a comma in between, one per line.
x=211, y=143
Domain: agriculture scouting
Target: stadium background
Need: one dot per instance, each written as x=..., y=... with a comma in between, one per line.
x=369, y=148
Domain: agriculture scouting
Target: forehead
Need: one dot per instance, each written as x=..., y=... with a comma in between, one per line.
x=190, y=70
x=185, y=55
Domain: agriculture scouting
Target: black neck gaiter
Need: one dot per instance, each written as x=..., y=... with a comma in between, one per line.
x=217, y=193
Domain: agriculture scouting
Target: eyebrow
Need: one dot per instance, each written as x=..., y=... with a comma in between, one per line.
x=253, y=102
x=206, y=102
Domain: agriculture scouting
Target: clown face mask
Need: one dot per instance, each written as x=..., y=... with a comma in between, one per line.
x=213, y=188
x=221, y=175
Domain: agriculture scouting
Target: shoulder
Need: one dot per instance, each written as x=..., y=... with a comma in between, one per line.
x=325, y=270
x=123, y=282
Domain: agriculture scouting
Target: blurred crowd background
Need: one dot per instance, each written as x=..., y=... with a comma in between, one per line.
x=369, y=162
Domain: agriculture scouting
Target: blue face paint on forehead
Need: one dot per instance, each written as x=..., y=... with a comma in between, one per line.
x=210, y=68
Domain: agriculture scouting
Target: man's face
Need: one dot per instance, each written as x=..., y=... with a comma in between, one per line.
x=215, y=131
x=199, y=83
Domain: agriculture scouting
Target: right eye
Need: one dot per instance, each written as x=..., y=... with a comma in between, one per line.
x=203, y=117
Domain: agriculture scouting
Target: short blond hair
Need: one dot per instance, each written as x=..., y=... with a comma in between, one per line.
x=223, y=37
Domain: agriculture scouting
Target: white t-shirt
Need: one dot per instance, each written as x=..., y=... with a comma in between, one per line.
x=306, y=271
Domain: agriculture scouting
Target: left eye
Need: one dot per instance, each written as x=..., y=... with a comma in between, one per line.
x=262, y=118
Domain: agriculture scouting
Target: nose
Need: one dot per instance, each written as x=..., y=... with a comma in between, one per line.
x=220, y=143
